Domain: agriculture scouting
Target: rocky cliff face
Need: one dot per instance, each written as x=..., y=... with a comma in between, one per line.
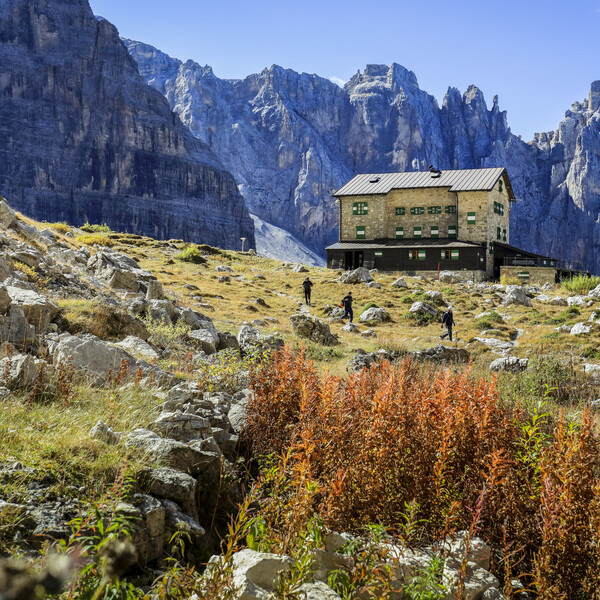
x=83, y=138
x=290, y=138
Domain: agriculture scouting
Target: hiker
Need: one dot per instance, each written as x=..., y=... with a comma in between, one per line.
x=307, y=284
x=347, y=304
x=448, y=321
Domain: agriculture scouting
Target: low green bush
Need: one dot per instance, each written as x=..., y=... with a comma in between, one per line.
x=367, y=306
x=95, y=228
x=191, y=254
x=580, y=284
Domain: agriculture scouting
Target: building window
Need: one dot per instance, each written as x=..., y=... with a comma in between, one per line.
x=360, y=208
x=435, y=231
x=500, y=185
x=499, y=233
x=451, y=231
x=445, y=255
x=421, y=255
x=378, y=253
x=417, y=232
x=471, y=218
x=450, y=209
x=399, y=211
x=454, y=254
x=434, y=210
x=417, y=210
x=361, y=232
x=399, y=233
x=504, y=235
x=416, y=255
x=491, y=247
x=499, y=208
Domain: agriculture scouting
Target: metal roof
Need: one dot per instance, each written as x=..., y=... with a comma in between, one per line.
x=412, y=243
x=459, y=180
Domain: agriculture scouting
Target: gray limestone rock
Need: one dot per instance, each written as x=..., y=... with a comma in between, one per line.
x=443, y=354
x=509, y=363
x=173, y=485
x=138, y=347
x=313, y=329
x=516, y=294
x=374, y=314
x=101, y=431
x=38, y=310
x=422, y=308
x=400, y=283
x=558, y=301
x=450, y=277
x=15, y=329
x=180, y=426
x=360, y=275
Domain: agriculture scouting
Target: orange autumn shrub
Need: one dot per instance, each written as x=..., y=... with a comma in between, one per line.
x=443, y=442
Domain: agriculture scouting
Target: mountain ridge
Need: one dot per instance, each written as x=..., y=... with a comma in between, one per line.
x=382, y=121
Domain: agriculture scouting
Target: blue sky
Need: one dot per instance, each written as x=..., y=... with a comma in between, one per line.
x=538, y=56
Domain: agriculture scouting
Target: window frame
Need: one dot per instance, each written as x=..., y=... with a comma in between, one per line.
x=434, y=210
x=417, y=210
x=360, y=208
x=399, y=211
x=450, y=209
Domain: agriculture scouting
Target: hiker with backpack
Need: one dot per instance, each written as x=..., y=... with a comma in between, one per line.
x=347, y=304
x=307, y=284
x=448, y=321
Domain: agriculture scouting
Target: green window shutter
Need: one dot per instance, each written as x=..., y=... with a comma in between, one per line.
x=471, y=218
x=451, y=231
x=417, y=210
x=454, y=254
x=378, y=253
x=442, y=254
x=410, y=255
x=435, y=231
x=434, y=210
x=421, y=255
x=450, y=209
x=360, y=208
x=504, y=235
x=499, y=233
x=491, y=247
x=400, y=210
x=413, y=210
x=361, y=232
x=417, y=232
x=399, y=233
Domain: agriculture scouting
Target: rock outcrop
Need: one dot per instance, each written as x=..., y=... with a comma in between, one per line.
x=84, y=139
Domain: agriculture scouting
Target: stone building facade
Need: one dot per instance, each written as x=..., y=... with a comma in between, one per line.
x=424, y=220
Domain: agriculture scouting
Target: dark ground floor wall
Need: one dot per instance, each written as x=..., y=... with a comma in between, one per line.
x=409, y=259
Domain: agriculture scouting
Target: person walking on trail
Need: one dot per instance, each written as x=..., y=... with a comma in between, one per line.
x=347, y=304
x=448, y=321
x=307, y=284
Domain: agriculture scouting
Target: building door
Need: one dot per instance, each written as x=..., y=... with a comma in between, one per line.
x=353, y=259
